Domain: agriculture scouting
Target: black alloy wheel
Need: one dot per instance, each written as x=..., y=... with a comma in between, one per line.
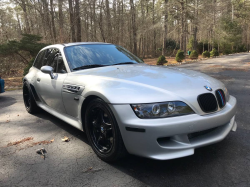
x=26, y=96
x=103, y=132
x=29, y=101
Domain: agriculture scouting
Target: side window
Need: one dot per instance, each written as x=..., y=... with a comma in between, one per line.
x=53, y=58
x=60, y=65
x=39, y=60
x=49, y=58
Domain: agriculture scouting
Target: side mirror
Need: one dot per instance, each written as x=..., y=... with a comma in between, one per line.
x=48, y=70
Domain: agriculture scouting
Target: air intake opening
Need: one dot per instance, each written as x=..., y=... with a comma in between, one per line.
x=207, y=102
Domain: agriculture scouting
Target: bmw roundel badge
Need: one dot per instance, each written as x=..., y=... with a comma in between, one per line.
x=208, y=88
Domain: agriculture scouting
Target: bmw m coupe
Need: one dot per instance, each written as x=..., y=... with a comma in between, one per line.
x=126, y=106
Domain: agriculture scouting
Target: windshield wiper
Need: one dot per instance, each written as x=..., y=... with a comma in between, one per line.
x=89, y=66
x=123, y=63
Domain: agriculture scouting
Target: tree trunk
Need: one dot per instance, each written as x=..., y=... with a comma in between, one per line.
x=46, y=18
x=19, y=24
x=133, y=14
x=72, y=25
x=115, y=23
x=52, y=20
x=154, y=33
x=195, y=25
x=109, y=27
x=94, y=19
x=182, y=26
x=78, y=21
x=27, y=25
x=60, y=21
x=101, y=21
x=165, y=28
x=143, y=34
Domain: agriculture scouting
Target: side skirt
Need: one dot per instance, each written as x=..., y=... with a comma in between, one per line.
x=68, y=119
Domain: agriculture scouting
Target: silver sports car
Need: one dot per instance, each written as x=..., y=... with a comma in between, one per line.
x=126, y=106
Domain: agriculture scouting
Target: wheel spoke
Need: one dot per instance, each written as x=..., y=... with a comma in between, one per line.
x=99, y=139
x=102, y=133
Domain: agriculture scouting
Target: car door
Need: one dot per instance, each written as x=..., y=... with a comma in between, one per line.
x=50, y=90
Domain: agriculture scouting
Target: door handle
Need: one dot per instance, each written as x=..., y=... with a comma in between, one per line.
x=38, y=79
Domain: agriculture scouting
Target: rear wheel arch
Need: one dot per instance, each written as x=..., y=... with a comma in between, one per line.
x=25, y=80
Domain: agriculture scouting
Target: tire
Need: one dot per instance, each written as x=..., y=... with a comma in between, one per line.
x=28, y=98
x=103, y=132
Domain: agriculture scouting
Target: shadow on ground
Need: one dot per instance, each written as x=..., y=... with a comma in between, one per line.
x=63, y=125
x=6, y=101
x=209, y=166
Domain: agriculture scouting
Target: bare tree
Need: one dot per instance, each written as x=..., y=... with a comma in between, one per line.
x=165, y=27
x=53, y=20
x=72, y=21
x=60, y=14
x=78, y=21
x=133, y=26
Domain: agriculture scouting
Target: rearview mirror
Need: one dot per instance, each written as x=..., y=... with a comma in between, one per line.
x=48, y=70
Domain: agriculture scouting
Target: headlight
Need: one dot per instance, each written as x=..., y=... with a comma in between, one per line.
x=226, y=94
x=161, y=110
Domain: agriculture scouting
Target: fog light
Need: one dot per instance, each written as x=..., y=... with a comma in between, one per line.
x=156, y=109
x=171, y=107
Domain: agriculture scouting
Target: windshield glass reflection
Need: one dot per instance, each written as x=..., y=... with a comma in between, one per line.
x=98, y=54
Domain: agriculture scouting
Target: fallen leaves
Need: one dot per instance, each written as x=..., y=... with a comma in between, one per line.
x=20, y=141
x=44, y=142
x=31, y=144
x=65, y=139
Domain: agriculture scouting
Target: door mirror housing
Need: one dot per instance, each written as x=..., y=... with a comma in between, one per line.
x=48, y=70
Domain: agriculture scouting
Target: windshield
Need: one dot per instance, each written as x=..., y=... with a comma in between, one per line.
x=98, y=54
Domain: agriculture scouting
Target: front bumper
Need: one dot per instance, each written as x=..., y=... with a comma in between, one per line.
x=173, y=137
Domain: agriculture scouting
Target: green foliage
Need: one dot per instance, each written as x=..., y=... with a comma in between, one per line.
x=227, y=51
x=194, y=55
x=172, y=44
x=206, y=54
x=9, y=48
x=214, y=53
x=30, y=43
x=26, y=69
x=242, y=48
x=161, y=60
x=180, y=56
x=232, y=31
x=190, y=45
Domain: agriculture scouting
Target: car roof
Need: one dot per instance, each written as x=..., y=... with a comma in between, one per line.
x=61, y=46
x=83, y=43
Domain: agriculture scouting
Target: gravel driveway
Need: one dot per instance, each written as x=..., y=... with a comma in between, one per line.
x=74, y=163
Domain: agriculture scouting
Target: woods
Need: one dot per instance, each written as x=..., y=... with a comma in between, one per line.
x=148, y=28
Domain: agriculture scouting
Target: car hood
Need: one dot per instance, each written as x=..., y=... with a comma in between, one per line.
x=145, y=83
